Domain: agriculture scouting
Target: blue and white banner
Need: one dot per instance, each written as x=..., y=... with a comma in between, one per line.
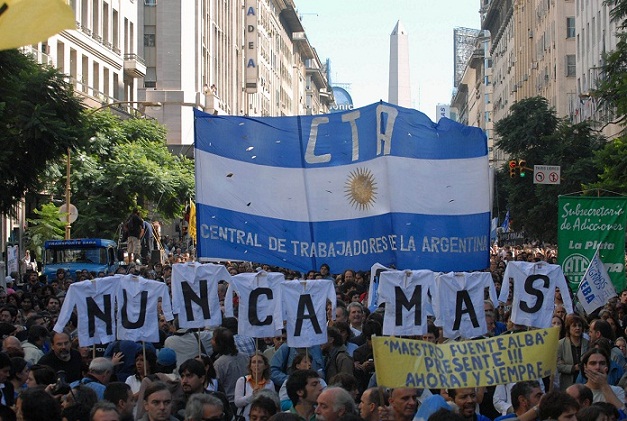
x=596, y=287
x=376, y=184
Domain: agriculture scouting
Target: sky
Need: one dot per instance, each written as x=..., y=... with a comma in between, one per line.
x=355, y=36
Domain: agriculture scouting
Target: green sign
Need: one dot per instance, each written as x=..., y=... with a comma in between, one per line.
x=586, y=224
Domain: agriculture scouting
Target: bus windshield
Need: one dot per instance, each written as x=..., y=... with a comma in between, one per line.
x=78, y=255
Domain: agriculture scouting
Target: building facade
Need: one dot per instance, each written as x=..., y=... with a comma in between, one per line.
x=533, y=48
x=199, y=54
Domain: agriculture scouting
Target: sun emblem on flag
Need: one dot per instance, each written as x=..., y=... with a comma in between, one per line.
x=361, y=189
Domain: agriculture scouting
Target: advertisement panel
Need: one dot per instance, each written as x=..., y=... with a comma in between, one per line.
x=586, y=224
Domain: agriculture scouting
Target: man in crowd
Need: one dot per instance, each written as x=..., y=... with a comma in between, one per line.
x=121, y=396
x=557, y=405
x=403, y=404
x=599, y=328
x=63, y=357
x=355, y=317
x=157, y=403
x=334, y=403
x=33, y=346
x=581, y=393
x=193, y=375
x=303, y=389
x=595, y=365
x=466, y=401
x=370, y=403
x=104, y=411
x=135, y=227
x=525, y=395
x=201, y=407
x=97, y=379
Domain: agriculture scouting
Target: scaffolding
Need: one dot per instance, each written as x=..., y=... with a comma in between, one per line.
x=464, y=44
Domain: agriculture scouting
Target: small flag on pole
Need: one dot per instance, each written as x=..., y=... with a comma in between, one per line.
x=596, y=287
x=505, y=224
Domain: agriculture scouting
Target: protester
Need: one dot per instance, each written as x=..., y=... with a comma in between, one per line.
x=569, y=351
x=303, y=388
x=558, y=405
x=202, y=407
x=334, y=403
x=370, y=402
x=248, y=386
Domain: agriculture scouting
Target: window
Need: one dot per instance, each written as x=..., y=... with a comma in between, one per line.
x=151, y=3
x=149, y=40
x=570, y=27
x=570, y=65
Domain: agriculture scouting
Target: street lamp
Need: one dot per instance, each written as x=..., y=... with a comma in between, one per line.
x=68, y=224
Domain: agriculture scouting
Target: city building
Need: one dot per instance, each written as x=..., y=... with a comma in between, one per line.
x=249, y=58
x=533, y=48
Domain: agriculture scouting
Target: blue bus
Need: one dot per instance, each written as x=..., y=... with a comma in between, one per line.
x=94, y=254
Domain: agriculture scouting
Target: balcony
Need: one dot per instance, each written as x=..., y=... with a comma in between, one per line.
x=134, y=66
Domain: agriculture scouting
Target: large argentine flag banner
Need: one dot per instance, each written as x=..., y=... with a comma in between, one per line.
x=376, y=184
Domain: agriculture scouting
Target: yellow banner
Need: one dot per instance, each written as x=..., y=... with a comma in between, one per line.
x=24, y=22
x=502, y=359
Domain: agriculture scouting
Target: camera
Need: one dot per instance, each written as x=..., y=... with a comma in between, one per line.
x=61, y=387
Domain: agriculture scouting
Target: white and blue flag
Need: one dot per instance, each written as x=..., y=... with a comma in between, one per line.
x=380, y=183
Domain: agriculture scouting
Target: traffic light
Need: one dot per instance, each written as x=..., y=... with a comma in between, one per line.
x=522, y=167
x=512, y=168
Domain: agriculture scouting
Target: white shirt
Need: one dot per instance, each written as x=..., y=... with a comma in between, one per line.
x=398, y=289
x=194, y=281
x=260, y=306
x=311, y=328
x=138, y=319
x=534, y=292
x=458, y=303
x=94, y=301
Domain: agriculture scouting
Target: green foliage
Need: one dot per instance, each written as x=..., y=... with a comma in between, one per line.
x=613, y=160
x=39, y=119
x=533, y=132
x=125, y=164
x=47, y=227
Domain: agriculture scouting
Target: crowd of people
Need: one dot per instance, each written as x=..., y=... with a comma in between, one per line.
x=224, y=375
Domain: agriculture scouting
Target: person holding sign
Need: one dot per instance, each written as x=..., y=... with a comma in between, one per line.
x=466, y=401
x=525, y=396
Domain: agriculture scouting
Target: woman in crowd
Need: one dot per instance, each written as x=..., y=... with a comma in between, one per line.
x=258, y=378
x=212, y=379
x=569, y=351
x=230, y=364
x=556, y=321
x=143, y=368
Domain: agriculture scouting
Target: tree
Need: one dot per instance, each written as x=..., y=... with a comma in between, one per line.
x=533, y=132
x=47, y=227
x=125, y=164
x=612, y=92
x=40, y=118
